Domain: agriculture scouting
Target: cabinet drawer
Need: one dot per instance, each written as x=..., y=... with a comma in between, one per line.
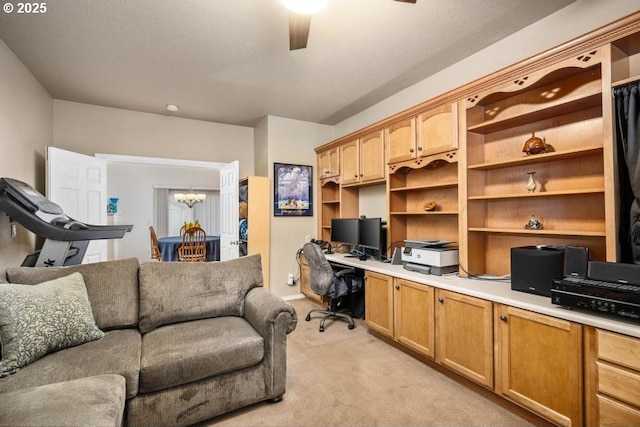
x=615, y=414
x=619, y=383
x=619, y=349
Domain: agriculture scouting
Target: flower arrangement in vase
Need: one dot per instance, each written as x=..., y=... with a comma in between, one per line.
x=189, y=225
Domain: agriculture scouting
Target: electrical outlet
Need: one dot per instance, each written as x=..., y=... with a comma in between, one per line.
x=307, y=238
x=14, y=230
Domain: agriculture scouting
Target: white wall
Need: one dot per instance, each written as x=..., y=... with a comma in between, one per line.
x=577, y=19
x=91, y=129
x=26, y=127
x=291, y=141
x=373, y=201
x=134, y=185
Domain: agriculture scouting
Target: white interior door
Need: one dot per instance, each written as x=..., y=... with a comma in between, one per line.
x=229, y=227
x=78, y=183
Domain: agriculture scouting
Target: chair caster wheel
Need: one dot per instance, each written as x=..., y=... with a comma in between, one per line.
x=352, y=326
x=307, y=318
x=321, y=329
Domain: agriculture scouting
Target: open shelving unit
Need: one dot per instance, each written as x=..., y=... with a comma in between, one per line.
x=563, y=105
x=410, y=188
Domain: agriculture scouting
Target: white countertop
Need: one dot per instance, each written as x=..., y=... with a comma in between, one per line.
x=495, y=291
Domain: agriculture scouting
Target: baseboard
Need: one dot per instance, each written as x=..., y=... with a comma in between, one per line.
x=292, y=297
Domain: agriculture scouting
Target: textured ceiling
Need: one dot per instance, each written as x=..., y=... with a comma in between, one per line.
x=228, y=61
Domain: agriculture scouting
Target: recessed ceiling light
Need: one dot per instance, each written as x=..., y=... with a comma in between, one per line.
x=172, y=107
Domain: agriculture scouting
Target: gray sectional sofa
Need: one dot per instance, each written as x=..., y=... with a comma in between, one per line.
x=183, y=342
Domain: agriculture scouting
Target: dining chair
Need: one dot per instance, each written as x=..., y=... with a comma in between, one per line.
x=155, y=250
x=194, y=246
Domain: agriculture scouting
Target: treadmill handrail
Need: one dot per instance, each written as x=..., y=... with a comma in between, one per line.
x=28, y=219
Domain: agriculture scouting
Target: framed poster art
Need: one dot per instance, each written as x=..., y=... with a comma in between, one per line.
x=292, y=190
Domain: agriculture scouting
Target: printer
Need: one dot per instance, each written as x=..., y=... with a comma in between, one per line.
x=430, y=256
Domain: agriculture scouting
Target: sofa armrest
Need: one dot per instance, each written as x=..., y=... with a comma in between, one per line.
x=262, y=308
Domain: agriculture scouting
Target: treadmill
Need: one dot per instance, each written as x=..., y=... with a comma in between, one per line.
x=66, y=239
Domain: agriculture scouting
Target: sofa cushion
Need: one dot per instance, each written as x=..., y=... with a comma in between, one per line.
x=36, y=320
x=172, y=292
x=92, y=401
x=185, y=352
x=112, y=287
x=117, y=353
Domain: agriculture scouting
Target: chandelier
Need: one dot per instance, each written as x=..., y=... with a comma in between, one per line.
x=189, y=198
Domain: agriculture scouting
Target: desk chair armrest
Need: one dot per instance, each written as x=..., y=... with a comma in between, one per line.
x=345, y=272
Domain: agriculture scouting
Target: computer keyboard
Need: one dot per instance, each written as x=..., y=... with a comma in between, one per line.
x=601, y=284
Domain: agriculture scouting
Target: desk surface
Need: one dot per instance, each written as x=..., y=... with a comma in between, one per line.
x=169, y=247
x=490, y=290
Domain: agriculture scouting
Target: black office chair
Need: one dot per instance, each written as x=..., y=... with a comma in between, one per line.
x=324, y=281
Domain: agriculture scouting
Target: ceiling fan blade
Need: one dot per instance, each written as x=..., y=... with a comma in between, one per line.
x=298, y=30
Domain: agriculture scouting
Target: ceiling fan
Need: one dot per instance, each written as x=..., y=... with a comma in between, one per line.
x=300, y=19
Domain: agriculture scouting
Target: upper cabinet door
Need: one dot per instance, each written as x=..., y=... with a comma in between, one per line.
x=401, y=138
x=437, y=130
x=329, y=162
x=349, y=161
x=372, y=161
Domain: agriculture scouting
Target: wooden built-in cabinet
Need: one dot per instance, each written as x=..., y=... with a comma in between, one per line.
x=423, y=167
x=411, y=188
x=401, y=310
x=563, y=105
x=612, y=385
x=378, y=302
x=464, y=331
x=363, y=160
x=430, y=132
x=414, y=316
x=539, y=363
x=464, y=151
x=329, y=163
x=255, y=210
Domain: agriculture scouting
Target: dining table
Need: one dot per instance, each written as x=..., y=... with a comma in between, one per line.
x=169, y=247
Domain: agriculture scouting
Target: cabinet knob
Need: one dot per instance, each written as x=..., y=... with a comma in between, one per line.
x=441, y=300
x=503, y=318
x=361, y=175
x=355, y=176
x=411, y=150
x=419, y=148
x=398, y=287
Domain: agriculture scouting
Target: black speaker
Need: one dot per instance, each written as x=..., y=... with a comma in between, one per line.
x=576, y=261
x=614, y=272
x=533, y=268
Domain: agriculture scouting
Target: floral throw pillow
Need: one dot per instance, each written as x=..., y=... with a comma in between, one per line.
x=39, y=319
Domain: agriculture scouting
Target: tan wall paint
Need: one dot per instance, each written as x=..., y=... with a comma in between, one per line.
x=26, y=127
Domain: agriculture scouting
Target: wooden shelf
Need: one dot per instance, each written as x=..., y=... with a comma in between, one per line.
x=578, y=192
x=425, y=213
x=631, y=79
x=539, y=158
x=328, y=202
x=538, y=232
x=425, y=187
x=539, y=112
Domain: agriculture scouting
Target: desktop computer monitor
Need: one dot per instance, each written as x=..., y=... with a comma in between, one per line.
x=345, y=231
x=372, y=235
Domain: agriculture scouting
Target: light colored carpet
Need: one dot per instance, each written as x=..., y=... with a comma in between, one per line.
x=345, y=377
